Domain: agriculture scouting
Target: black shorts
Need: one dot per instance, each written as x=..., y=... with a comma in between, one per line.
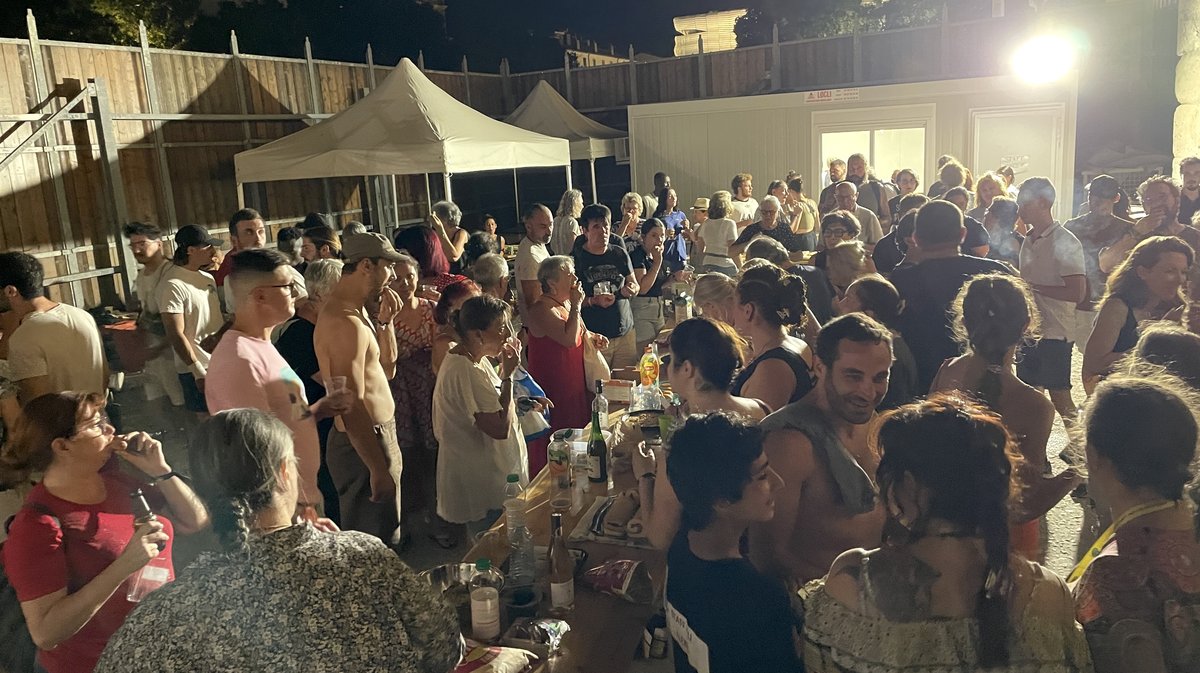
x=1046, y=363
x=193, y=399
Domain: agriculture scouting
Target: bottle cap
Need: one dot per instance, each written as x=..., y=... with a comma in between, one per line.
x=599, y=386
x=513, y=478
x=483, y=564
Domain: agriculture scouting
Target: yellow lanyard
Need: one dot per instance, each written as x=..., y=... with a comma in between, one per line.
x=1101, y=542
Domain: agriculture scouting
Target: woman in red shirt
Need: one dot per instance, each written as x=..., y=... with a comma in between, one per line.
x=73, y=547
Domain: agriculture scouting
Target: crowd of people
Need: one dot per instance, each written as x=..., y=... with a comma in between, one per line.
x=858, y=481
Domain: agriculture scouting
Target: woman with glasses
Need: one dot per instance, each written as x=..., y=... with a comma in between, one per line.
x=74, y=545
x=771, y=223
x=475, y=416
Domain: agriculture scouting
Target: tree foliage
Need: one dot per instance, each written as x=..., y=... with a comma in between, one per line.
x=827, y=18
x=168, y=22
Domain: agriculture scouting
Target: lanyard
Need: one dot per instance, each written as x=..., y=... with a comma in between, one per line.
x=1098, y=546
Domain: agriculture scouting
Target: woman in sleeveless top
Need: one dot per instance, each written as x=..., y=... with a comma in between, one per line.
x=769, y=301
x=556, y=347
x=702, y=356
x=943, y=593
x=412, y=390
x=993, y=315
x=1146, y=286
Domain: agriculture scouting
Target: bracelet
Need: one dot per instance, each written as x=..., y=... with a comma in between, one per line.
x=165, y=477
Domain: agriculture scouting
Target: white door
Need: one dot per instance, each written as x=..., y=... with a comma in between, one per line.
x=1031, y=139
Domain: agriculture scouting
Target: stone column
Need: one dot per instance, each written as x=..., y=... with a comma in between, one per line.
x=1186, y=135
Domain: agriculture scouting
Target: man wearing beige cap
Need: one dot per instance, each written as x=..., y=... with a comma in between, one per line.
x=362, y=452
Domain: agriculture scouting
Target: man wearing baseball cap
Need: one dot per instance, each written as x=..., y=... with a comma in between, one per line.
x=191, y=309
x=362, y=453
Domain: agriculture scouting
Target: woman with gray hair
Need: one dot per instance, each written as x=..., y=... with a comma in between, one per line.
x=556, y=343
x=566, y=222
x=281, y=595
x=490, y=273
x=631, y=215
x=445, y=218
x=294, y=341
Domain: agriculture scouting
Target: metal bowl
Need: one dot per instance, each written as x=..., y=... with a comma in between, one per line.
x=449, y=575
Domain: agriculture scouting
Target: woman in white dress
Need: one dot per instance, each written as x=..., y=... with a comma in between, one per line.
x=475, y=416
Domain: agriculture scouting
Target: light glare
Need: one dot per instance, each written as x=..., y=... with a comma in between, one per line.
x=1043, y=59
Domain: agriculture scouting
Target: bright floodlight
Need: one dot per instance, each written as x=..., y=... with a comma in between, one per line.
x=1043, y=59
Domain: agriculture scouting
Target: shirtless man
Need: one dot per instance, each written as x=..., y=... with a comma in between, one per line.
x=362, y=452
x=819, y=447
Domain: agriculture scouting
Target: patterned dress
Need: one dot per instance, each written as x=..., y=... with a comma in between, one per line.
x=412, y=389
x=302, y=600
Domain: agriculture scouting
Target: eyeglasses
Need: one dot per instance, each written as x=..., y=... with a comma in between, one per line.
x=834, y=232
x=101, y=424
x=293, y=287
x=764, y=211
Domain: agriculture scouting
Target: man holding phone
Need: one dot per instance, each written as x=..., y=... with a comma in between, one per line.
x=608, y=282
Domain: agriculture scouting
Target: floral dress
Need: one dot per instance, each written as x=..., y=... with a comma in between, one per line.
x=412, y=389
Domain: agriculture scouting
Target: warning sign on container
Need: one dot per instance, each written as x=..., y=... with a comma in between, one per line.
x=831, y=95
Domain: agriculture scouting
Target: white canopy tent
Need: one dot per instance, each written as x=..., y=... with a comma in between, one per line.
x=408, y=125
x=545, y=111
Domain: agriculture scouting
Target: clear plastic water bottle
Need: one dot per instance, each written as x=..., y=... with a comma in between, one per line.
x=484, y=590
x=514, y=504
x=558, y=462
x=522, y=561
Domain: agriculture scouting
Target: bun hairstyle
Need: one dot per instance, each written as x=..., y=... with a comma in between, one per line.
x=236, y=456
x=713, y=348
x=1146, y=426
x=778, y=297
x=1170, y=347
x=962, y=457
x=451, y=294
x=992, y=314
x=44, y=419
x=477, y=314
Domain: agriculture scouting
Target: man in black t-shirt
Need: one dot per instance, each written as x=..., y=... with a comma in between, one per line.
x=606, y=273
x=929, y=287
x=723, y=615
x=976, y=241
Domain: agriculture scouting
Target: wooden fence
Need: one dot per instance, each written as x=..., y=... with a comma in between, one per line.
x=179, y=117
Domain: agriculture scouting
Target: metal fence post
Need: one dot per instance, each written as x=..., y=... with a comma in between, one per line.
x=315, y=95
x=50, y=141
x=776, y=71
x=466, y=78
x=567, y=76
x=703, y=67
x=110, y=165
x=164, y=169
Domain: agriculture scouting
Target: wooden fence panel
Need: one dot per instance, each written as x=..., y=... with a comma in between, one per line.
x=901, y=56
x=450, y=82
x=668, y=80
x=601, y=86
x=738, y=72
x=487, y=94
x=813, y=64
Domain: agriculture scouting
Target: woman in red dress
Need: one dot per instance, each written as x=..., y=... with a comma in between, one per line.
x=556, y=335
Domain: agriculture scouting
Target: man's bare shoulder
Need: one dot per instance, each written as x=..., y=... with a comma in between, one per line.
x=340, y=322
x=789, y=451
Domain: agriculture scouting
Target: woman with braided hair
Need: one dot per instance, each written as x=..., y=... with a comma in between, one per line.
x=993, y=315
x=282, y=594
x=944, y=593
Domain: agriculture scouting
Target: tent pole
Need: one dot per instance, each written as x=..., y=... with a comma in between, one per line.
x=241, y=195
x=516, y=194
x=568, y=167
x=428, y=195
x=394, y=193
x=595, y=195
x=446, y=182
